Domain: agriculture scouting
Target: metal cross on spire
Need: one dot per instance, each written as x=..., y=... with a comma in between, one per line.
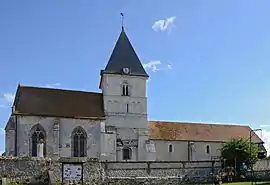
x=122, y=15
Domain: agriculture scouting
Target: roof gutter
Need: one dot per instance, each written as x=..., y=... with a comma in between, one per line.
x=71, y=117
x=197, y=141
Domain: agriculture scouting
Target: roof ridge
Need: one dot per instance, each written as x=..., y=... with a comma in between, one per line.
x=197, y=123
x=58, y=89
x=188, y=131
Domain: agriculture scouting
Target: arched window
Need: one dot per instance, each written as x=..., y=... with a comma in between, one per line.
x=170, y=148
x=207, y=149
x=127, y=153
x=38, y=135
x=79, y=142
x=125, y=90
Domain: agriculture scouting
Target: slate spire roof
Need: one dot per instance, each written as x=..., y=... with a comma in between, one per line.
x=124, y=56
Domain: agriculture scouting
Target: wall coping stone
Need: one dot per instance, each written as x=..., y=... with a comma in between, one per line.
x=56, y=159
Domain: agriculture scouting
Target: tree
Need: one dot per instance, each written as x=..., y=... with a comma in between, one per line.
x=236, y=152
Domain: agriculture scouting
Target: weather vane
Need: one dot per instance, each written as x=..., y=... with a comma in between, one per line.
x=122, y=15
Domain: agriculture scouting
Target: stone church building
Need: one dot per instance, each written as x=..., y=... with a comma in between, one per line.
x=111, y=125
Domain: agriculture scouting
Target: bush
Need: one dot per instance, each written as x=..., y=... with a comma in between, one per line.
x=40, y=180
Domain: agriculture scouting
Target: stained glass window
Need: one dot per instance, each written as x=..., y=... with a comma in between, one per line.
x=38, y=135
x=79, y=142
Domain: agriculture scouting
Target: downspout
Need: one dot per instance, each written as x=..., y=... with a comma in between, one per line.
x=16, y=132
x=188, y=150
x=16, y=136
x=16, y=120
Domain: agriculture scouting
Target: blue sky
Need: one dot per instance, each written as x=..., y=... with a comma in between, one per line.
x=210, y=59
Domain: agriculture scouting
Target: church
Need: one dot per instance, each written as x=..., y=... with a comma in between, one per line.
x=111, y=125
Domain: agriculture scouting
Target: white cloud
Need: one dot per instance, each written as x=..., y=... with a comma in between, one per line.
x=265, y=126
x=265, y=136
x=52, y=85
x=9, y=97
x=169, y=66
x=2, y=131
x=6, y=99
x=164, y=24
x=156, y=65
x=152, y=65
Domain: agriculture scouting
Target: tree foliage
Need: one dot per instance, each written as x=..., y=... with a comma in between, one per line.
x=236, y=151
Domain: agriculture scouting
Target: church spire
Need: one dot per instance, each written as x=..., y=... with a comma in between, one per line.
x=124, y=59
x=122, y=16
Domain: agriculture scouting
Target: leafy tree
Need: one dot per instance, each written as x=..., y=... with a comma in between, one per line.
x=236, y=151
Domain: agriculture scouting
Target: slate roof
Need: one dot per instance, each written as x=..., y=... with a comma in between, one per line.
x=58, y=102
x=162, y=130
x=124, y=56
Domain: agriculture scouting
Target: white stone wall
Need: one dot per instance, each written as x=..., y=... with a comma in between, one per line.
x=127, y=120
x=91, y=127
x=139, y=136
x=181, y=150
x=101, y=143
x=115, y=105
x=58, y=137
x=131, y=124
x=10, y=137
x=111, y=85
x=10, y=142
x=24, y=125
x=108, y=147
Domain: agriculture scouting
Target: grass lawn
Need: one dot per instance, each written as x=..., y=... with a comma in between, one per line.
x=247, y=183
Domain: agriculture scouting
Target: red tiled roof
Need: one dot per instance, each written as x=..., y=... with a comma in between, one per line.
x=162, y=130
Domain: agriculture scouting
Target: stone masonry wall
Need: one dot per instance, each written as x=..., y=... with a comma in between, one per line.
x=161, y=170
x=95, y=172
x=24, y=167
x=29, y=168
x=261, y=165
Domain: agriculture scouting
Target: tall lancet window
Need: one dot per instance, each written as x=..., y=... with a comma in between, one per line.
x=79, y=142
x=127, y=108
x=38, y=135
x=207, y=149
x=125, y=90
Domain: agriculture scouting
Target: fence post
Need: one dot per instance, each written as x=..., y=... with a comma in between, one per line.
x=148, y=169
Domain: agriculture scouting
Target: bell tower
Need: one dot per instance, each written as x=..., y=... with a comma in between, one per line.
x=123, y=84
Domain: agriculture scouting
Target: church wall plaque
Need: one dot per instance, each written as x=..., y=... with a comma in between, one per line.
x=127, y=143
x=72, y=172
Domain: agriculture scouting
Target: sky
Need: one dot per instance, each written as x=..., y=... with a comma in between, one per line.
x=208, y=60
